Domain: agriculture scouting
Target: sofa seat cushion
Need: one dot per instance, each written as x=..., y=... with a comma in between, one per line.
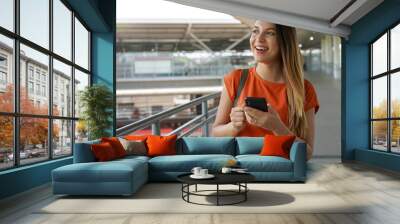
x=185, y=163
x=111, y=171
x=133, y=158
x=257, y=163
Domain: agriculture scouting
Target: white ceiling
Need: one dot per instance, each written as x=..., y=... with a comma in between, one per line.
x=314, y=15
x=321, y=9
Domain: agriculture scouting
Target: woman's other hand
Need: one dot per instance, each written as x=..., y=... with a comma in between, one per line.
x=269, y=120
x=238, y=118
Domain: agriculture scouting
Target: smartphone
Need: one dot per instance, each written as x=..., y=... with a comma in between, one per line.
x=258, y=103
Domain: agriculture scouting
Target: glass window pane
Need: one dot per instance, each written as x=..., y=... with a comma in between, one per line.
x=62, y=29
x=81, y=81
x=62, y=89
x=395, y=136
x=395, y=47
x=34, y=16
x=7, y=14
x=33, y=139
x=379, y=97
x=395, y=95
x=6, y=142
x=62, y=138
x=34, y=72
x=81, y=131
x=81, y=45
x=379, y=55
x=379, y=135
x=6, y=74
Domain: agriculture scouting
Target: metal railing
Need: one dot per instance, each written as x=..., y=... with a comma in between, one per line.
x=200, y=121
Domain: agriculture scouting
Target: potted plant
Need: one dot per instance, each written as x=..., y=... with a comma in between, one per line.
x=96, y=102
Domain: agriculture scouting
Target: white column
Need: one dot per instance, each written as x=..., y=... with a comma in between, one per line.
x=337, y=57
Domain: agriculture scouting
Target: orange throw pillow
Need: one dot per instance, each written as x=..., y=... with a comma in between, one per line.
x=116, y=145
x=161, y=145
x=103, y=152
x=277, y=145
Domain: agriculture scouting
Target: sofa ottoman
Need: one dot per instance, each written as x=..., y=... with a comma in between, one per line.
x=118, y=177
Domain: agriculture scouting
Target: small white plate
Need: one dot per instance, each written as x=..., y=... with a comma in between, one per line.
x=208, y=176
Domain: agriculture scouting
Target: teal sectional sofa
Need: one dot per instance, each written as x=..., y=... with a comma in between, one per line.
x=125, y=176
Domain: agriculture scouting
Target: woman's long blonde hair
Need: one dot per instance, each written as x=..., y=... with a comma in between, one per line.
x=292, y=64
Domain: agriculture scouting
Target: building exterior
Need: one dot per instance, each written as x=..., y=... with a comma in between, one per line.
x=34, y=81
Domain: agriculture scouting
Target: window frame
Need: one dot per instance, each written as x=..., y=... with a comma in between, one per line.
x=16, y=114
x=388, y=74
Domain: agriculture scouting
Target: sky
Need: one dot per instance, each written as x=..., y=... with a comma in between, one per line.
x=155, y=10
x=35, y=27
x=380, y=66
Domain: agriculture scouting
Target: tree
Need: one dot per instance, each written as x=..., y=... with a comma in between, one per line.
x=396, y=123
x=380, y=127
x=6, y=122
x=6, y=132
x=97, y=104
x=81, y=129
x=33, y=130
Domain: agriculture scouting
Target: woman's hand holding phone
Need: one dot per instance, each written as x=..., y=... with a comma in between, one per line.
x=238, y=118
x=269, y=120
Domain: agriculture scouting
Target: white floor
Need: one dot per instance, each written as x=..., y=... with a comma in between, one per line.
x=377, y=189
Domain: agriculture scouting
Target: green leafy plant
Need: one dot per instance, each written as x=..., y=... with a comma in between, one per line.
x=96, y=102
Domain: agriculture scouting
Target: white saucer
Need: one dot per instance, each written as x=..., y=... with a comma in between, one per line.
x=208, y=176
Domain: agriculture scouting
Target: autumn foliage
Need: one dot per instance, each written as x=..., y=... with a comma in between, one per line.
x=33, y=131
x=380, y=127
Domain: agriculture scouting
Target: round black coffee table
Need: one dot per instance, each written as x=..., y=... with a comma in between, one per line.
x=238, y=179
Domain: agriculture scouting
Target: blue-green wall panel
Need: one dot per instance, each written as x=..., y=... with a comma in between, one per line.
x=103, y=54
x=103, y=65
x=24, y=178
x=102, y=58
x=376, y=158
x=355, y=84
x=89, y=11
x=357, y=100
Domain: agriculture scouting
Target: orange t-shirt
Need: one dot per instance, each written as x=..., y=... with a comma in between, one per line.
x=274, y=93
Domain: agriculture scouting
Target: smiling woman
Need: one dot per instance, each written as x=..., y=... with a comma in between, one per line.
x=277, y=77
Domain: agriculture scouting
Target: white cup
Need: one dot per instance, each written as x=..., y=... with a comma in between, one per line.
x=196, y=170
x=226, y=170
x=203, y=172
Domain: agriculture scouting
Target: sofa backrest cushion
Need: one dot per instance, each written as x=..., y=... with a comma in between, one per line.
x=161, y=145
x=104, y=151
x=116, y=145
x=249, y=145
x=206, y=145
x=277, y=145
x=83, y=152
